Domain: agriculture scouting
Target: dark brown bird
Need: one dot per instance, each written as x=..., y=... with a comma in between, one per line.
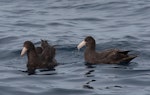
x=112, y=56
x=38, y=58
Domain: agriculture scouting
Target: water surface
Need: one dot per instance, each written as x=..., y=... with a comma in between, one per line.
x=122, y=24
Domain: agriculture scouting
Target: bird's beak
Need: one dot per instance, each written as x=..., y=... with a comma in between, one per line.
x=83, y=43
x=24, y=50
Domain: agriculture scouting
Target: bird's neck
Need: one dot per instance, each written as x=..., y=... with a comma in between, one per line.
x=90, y=48
x=89, y=51
x=32, y=54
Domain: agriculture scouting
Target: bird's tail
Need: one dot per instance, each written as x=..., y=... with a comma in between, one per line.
x=127, y=59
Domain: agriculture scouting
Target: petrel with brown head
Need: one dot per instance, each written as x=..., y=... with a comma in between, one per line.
x=111, y=56
x=38, y=58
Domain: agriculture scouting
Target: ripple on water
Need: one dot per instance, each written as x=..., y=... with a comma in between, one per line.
x=7, y=40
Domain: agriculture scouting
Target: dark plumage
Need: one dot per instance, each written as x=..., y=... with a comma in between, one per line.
x=48, y=53
x=39, y=50
x=112, y=56
x=38, y=58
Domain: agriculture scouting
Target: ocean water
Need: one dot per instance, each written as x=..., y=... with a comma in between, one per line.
x=123, y=24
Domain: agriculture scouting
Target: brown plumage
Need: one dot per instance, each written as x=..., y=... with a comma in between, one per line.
x=48, y=51
x=38, y=58
x=112, y=56
x=39, y=50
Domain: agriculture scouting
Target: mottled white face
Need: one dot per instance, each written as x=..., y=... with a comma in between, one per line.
x=24, y=50
x=83, y=43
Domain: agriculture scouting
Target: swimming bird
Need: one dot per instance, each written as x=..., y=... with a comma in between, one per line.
x=111, y=56
x=37, y=59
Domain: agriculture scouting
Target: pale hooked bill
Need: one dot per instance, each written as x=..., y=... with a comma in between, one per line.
x=24, y=50
x=83, y=43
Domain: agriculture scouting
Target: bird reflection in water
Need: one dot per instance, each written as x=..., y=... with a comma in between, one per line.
x=89, y=74
x=87, y=85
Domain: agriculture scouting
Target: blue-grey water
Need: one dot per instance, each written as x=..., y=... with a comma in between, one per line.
x=123, y=24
